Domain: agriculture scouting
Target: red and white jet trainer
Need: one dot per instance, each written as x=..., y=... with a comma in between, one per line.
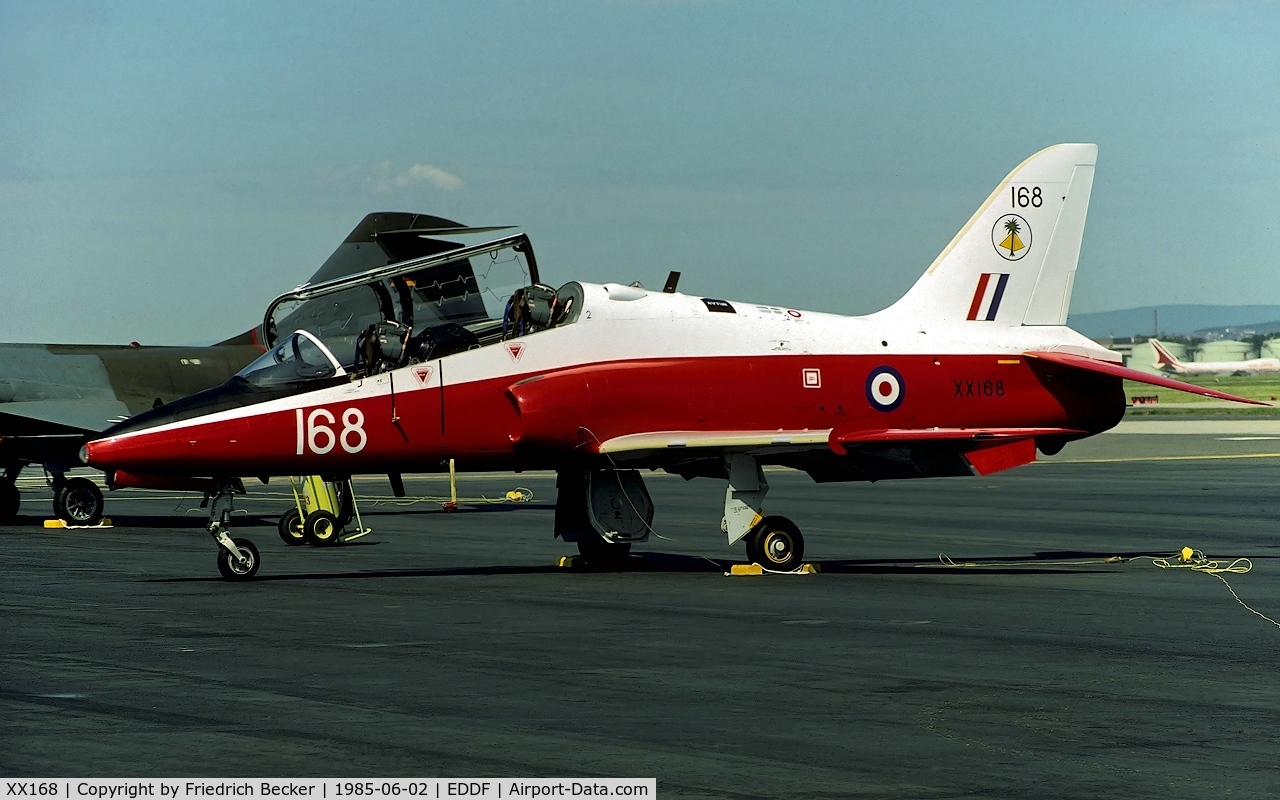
x=1167, y=362
x=969, y=373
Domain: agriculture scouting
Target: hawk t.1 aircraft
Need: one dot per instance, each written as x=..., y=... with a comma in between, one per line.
x=971, y=372
x=54, y=398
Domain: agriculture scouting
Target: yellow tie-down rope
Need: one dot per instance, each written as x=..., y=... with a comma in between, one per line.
x=1186, y=558
x=519, y=494
x=1195, y=560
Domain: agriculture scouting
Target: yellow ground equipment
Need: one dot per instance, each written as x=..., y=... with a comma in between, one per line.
x=322, y=510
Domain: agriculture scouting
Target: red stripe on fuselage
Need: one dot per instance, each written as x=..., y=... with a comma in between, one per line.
x=501, y=423
x=976, y=305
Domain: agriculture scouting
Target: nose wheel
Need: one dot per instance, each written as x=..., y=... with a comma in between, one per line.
x=240, y=567
x=775, y=543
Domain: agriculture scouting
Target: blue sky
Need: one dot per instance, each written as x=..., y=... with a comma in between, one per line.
x=168, y=168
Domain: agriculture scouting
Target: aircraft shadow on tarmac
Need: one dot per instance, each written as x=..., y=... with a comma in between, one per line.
x=461, y=509
x=1041, y=563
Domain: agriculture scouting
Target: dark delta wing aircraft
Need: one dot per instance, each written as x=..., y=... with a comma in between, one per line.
x=54, y=398
x=970, y=373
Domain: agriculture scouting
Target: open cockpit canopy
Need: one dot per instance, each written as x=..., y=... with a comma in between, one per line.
x=426, y=307
x=466, y=287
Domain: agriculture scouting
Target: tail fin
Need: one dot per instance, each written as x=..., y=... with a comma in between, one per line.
x=1014, y=261
x=1163, y=357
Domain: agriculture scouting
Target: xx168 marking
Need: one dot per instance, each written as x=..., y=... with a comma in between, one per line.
x=31, y=789
x=316, y=435
x=979, y=388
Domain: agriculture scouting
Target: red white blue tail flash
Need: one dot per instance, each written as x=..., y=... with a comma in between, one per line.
x=987, y=297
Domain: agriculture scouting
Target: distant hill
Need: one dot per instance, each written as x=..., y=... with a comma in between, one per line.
x=1179, y=320
x=1237, y=331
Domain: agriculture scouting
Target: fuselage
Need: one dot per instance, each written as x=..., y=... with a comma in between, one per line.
x=632, y=363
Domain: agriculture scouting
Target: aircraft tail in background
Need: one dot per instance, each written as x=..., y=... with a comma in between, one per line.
x=1164, y=359
x=1167, y=362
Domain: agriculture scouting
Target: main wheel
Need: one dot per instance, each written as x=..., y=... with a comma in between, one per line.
x=290, y=526
x=596, y=550
x=78, y=502
x=9, y=500
x=321, y=528
x=230, y=566
x=776, y=544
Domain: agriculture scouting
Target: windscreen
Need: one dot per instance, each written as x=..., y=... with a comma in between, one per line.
x=297, y=359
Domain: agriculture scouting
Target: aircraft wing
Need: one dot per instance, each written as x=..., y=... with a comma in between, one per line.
x=841, y=441
x=985, y=450
x=832, y=438
x=1116, y=370
x=60, y=417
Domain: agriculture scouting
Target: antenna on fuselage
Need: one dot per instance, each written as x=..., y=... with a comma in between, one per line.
x=672, y=280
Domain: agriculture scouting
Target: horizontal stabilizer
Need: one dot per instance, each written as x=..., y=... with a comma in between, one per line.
x=1109, y=368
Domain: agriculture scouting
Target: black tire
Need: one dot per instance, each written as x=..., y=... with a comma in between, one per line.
x=232, y=569
x=290, y=527
x=10, y=500
x=776, y=544
x=321, y=528
x=78, y=502
x=601, y=553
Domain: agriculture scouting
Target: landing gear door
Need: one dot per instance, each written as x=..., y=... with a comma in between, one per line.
x=619, y=505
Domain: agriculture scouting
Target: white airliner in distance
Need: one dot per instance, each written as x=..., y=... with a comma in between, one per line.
x=1166, y=362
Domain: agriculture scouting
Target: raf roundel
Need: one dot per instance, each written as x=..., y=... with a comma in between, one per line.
x=885, y=389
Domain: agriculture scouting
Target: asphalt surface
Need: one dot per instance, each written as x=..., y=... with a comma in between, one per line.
x=450, y=645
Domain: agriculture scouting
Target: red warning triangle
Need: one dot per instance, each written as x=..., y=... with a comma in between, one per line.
x=423, y=374
x=516, y=349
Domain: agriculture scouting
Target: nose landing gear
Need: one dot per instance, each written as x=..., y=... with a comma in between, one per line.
x=238, y=559
x=240, y=567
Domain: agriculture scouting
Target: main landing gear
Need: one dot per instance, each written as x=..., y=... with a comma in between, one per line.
x=77, y=501
x=605, y=511
x=10, y=500
x=774, y=543
x=238, y=559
